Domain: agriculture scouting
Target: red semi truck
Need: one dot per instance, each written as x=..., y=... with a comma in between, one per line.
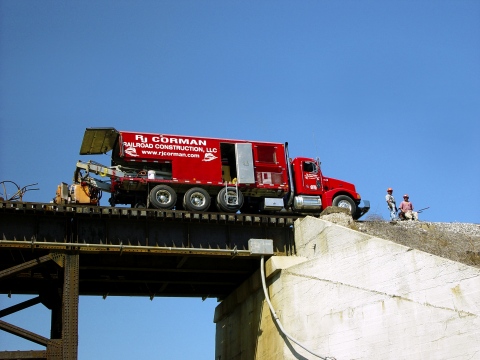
x=204, y=174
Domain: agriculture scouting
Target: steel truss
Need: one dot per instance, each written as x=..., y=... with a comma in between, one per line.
x=62, y=301
x=58, y=252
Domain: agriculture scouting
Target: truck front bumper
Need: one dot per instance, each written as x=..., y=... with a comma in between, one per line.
x=362, y=210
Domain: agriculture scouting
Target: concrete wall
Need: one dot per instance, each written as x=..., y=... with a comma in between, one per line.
x=349, y=295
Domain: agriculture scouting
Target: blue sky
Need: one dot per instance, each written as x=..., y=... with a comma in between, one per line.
x=386, y=93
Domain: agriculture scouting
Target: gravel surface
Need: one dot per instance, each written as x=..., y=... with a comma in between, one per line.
x=455, y=241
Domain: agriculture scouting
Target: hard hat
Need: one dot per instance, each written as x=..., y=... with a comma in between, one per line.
x=406, y=195
x=389, y=189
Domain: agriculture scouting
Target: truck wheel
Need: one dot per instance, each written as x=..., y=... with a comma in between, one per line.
x=346, y=202
x=226, y=199
x=163, y=197
x=196, y=199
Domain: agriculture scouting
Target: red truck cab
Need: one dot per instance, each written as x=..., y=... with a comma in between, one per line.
x=312, y=190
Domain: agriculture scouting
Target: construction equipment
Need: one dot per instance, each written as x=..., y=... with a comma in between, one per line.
x=205, y=174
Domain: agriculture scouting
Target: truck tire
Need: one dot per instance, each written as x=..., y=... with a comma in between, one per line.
x=196, y=199
x=224, y=197
x=346, y=202
x=163, y=197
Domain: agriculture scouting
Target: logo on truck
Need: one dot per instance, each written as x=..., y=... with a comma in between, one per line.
x=131, y=151
x=209, y=157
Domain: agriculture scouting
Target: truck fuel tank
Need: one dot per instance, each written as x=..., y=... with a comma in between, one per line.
x=304, y=202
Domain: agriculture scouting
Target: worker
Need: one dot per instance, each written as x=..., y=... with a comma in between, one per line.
x=392, y=206
x=406, y=209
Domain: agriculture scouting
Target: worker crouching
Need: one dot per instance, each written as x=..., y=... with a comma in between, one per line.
x=406, y=210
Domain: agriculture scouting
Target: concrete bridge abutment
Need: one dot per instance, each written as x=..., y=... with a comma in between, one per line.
x=349, y=295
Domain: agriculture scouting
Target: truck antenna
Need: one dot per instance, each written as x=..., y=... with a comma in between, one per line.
x=316, y=148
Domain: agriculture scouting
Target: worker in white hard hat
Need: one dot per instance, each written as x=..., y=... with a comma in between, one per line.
x=392, y=206
x=406, y=209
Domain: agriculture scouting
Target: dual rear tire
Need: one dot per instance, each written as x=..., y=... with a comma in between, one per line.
x=196, y=199
x=163, y=197
x=228, y=200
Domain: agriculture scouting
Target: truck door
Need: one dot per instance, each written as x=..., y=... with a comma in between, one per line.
x=311, y=181
x=244, y=160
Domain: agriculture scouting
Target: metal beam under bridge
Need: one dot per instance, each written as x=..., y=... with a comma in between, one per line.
x=59, y=252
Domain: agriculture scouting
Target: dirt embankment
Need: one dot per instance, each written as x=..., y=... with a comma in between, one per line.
x=455, y=241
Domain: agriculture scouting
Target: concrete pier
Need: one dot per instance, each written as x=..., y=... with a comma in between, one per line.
x=349, y=295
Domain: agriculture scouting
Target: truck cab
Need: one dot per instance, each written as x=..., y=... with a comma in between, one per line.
x=313, y=192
